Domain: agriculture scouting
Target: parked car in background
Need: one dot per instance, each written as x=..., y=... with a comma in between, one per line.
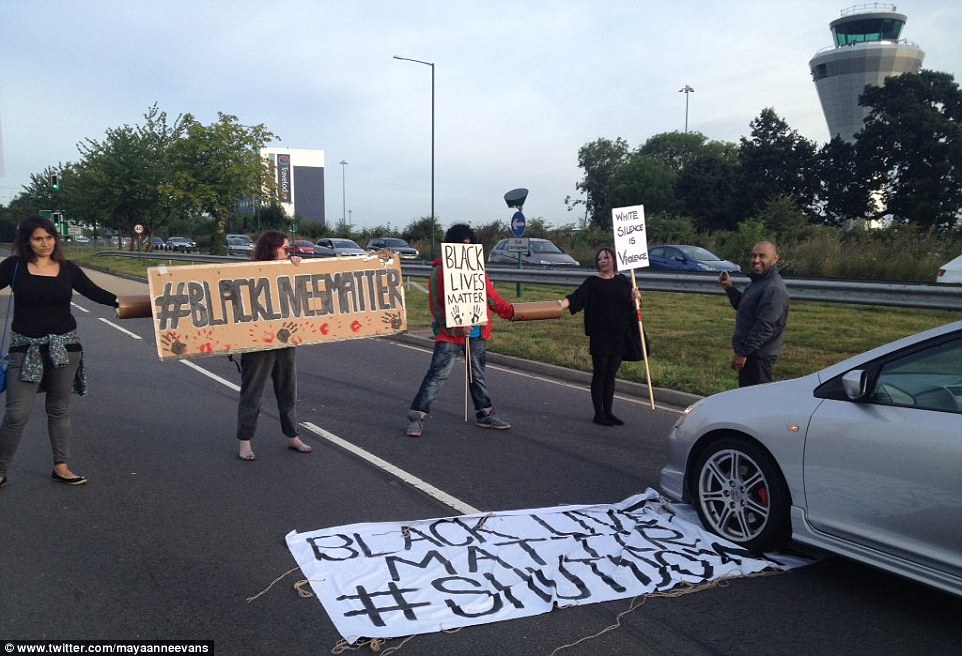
x=404, y=250
x=240, y=245
x=302, y=248
x=80, y=239
x=860, y=459
x=157, y=244
x=337, y=247
x=120, y=242
x=681, y=257
x=180, y=244
x=951, y=272
x=541, y=252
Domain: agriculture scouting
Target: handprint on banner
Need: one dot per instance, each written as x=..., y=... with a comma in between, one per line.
x=267, y=337
x=476, y=315
x=392, y=320
x=456, y=313
x=171, y=341
x=286, y=331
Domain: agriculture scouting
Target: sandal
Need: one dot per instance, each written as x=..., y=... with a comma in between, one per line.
x=247, y=455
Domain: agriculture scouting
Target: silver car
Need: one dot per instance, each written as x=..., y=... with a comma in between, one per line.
x=862, y=459
x=338, y=247
x=541, y=252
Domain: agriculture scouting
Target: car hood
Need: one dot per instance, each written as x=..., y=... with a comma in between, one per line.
x=553, y=259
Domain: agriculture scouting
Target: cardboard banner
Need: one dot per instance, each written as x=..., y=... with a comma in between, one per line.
x=217, y=309
x=388, y=580
x=537, y=310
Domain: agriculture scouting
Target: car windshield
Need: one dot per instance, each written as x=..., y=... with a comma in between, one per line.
x=395, y=243
x=344, y=243
x=698, y=253
x=544, y=247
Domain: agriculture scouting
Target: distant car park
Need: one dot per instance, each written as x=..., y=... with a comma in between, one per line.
x=302, y=248
x=404, y=250
x=951, y=272
x=337, y=247
x=682, y=257
x=157, y=244
x=240, y=245
x=541, y=253
x=80, y=239
x=180, y=244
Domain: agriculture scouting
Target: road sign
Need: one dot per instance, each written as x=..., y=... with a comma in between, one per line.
x=139, y=229
x=517, y=224
x=519, y=245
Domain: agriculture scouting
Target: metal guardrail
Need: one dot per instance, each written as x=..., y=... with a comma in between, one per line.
x=890, y=294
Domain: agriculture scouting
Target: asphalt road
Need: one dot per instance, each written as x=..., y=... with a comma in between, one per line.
x=173, y=533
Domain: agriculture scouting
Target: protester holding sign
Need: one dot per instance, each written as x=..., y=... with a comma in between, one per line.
x=451, y=342
x=277, y=364
x=46, y=355
x=612, y=328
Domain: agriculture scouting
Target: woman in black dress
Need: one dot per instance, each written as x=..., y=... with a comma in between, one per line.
x=611, y=325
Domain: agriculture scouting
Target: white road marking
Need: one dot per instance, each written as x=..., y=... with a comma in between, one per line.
x=410, y=479
x=123, y=330
x=223, y=381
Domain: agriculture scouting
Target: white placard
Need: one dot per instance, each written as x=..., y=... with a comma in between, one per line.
x=465, y=287
x=631, y=238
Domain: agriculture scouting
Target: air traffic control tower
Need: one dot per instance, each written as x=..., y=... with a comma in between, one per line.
x=867, y=50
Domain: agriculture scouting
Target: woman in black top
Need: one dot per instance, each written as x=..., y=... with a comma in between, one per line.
x=611, y=325
x=45, y=350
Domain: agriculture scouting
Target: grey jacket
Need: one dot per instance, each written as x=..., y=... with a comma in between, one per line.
x=762, y=312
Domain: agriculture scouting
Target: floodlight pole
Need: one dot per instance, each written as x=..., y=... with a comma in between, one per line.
x=431, y=64
x=686, y=90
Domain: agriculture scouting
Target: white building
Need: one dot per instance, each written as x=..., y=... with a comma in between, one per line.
x=300, y=181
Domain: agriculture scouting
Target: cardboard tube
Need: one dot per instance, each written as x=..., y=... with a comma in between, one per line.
x=133, y=307
x=537, y=310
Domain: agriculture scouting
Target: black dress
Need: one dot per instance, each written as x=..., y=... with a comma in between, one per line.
x=610, y=320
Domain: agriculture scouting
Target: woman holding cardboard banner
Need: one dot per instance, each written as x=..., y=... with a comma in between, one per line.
x=612, y=329
x=277, y=364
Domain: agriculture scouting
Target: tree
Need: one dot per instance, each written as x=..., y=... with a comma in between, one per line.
x=217, y=165
x=640, y=181
x=599, y=160
x=675, y=149
x=841, y=195
x=913, y=141
x=775, y=161
x=707, y=188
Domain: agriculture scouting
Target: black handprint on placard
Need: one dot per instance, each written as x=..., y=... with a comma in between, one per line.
x=172, y=343
x=476, y=315
x=456, y=314
x=286, y=331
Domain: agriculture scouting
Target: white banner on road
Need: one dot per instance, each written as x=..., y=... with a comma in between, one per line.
x=392, y=579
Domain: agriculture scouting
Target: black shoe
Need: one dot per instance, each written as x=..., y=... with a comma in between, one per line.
x=3, y=481
x=601, y=420
x=76, y=480
x=614, y=420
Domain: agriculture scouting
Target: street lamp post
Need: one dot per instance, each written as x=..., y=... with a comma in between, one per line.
x=343, y=192
x=686, y=90
x=431, y=64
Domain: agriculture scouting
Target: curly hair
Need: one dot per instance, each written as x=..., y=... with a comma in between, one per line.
x=267, y=244
x=460, y=233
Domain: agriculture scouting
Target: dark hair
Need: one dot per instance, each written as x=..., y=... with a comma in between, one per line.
x=267, y=244
x=459, y=233
x=21, y=241
x=605, y=249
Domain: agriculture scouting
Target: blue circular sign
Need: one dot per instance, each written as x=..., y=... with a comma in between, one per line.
x=517, y=224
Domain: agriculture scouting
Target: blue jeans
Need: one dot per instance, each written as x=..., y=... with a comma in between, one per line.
x=442, y=361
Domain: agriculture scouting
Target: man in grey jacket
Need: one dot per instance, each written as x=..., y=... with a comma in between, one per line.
x=762, y=312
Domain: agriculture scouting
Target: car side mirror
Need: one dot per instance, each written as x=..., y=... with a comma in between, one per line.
x=854, y=383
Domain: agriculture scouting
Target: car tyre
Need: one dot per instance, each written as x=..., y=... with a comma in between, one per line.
x=741, y=495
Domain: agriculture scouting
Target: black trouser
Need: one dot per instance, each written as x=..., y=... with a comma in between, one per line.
x=755, y=372
x=605, y=367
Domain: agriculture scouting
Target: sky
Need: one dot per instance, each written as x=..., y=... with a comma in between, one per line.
x=519, y=86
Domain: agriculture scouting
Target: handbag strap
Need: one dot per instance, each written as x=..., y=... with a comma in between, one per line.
x=6, y=321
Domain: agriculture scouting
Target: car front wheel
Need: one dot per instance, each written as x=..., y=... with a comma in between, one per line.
x=740, y=494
